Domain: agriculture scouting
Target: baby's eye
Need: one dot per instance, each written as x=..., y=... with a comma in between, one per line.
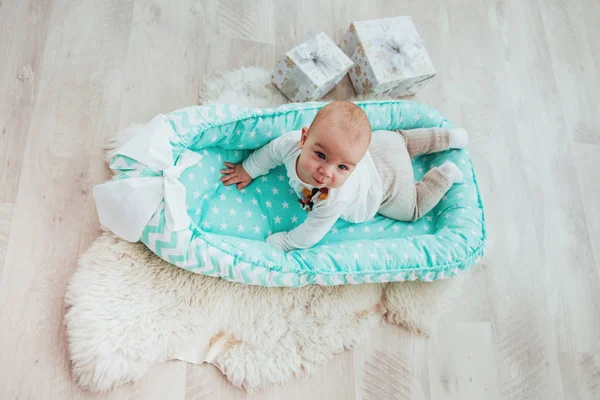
x=320, y=155
x=343, y=167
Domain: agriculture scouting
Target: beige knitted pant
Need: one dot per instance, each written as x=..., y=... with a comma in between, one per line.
x=403, y=199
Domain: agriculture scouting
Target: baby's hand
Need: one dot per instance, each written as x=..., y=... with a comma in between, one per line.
x=235, y=174
x=277, y=241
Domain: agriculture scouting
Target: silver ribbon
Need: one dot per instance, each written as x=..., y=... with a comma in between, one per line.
x=407, y=51
x=405, y=43
x=318, y=58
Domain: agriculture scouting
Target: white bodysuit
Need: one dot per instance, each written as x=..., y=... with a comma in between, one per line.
x=357, y=200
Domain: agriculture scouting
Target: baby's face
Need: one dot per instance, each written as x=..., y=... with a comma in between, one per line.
x=328, y=158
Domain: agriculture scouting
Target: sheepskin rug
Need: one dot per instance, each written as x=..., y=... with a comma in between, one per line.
x=128, y=310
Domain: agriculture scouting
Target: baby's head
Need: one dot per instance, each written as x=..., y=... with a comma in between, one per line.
x=336, y=142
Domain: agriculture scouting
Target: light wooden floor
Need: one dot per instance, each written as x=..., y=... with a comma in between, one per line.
x=522, y=76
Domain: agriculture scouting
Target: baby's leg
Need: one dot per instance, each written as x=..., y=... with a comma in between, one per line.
x=433, y=186
x=432, y=140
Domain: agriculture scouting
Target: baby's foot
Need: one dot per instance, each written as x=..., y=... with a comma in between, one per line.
x=458, y=138
x=452, y=171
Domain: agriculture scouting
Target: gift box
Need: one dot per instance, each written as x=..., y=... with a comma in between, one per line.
x=389, y=57
x=310, y=70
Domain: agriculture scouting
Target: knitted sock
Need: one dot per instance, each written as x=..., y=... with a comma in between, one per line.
x=452, y=171
x=458, y=138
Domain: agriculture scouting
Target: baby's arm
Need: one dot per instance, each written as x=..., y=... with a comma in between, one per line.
x=309, y=233
x=258, y=163
x=264, y=159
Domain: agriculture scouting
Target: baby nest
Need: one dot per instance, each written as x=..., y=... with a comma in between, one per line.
x=220, y=231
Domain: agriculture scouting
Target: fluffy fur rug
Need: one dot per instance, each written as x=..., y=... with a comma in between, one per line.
x=127, y=309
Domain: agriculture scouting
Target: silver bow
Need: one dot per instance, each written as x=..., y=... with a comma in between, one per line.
x=318, y=58
x=407, y=50
x=403, y=41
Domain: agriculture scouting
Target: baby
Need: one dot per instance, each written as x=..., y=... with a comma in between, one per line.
x=340, y=169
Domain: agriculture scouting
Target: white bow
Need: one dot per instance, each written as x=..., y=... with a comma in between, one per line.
x=318, y=57
x=125, y=206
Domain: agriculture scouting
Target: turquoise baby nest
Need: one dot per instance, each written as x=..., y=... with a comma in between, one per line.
x=227, y=229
